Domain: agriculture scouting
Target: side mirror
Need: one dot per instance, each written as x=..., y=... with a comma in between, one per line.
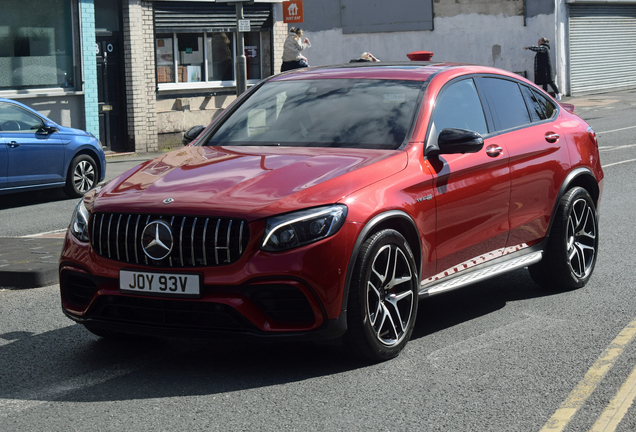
x=48, y=128
x=452, y=141
x=191, y=134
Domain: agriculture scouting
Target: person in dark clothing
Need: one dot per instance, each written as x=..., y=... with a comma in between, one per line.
x=543, y=66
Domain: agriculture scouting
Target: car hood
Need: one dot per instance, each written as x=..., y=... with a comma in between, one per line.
x=248, y=182
x=62, y=130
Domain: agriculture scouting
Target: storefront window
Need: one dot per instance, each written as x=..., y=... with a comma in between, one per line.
x=36, y=44
x=210, y=63
x=220, y=49
x=165, y=59
x=190, y=58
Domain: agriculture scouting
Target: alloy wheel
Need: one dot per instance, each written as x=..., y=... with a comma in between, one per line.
x=390, y=295
x=581, y=238
x=84, y=176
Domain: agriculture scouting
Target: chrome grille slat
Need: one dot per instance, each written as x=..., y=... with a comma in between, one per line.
x=126, y=237
x=146, y=256
x=205, y=231
x=194, y=225
x=101, y=232
x=110, y=221
x=181, y=241
x=192, y=235
x=227, y=243
x=93, y=228
x=171, y=225
x=216, y=242
x=241, y=239
x=135, y=239
x=117, y=238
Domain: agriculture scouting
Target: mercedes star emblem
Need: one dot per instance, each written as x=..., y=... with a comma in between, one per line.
x=156, y=240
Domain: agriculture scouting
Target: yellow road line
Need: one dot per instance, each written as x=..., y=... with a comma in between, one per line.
x=616, y=410
x=594, y=375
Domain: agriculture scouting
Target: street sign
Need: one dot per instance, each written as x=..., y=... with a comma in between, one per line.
x=244, y=25
x=293, y=11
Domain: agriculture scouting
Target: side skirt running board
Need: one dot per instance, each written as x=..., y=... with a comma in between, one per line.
x=479, y=274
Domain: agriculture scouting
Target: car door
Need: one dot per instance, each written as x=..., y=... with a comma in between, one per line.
x=526, y=122
x=472, y=190
x=34, y=157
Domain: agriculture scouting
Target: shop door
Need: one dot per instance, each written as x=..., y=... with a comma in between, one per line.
x=110, y=87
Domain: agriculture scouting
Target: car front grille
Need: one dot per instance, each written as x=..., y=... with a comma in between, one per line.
x=198, y=241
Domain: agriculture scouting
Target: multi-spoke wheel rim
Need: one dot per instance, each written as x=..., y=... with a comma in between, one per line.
x=83, y=176
x=390, y=295
x=581, y=238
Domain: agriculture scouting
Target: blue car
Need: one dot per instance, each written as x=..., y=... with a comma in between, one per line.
x=37, y=153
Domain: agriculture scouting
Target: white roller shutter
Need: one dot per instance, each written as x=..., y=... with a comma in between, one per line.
x=602, y=48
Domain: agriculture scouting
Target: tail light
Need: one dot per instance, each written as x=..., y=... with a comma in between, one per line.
x=592, y=135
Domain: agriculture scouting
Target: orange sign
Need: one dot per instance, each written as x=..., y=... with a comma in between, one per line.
x=293, y=11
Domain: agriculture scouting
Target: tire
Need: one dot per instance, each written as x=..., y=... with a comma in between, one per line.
x=382, y=304
x=570, y=255
x=82, y=176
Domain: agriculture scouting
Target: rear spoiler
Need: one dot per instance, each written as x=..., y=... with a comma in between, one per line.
x=567, y=106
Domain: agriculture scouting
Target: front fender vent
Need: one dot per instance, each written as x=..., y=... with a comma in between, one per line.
x=197, y=241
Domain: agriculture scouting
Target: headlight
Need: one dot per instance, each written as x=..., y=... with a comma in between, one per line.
x=302, y=227
x=79, y=222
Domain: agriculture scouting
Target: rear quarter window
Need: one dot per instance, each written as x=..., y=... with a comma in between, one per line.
x=539, y=106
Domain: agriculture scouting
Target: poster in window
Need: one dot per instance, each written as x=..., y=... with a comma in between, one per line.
x=194, y=73
x=251, y=51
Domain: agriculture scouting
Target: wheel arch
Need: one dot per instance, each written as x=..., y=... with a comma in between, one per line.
x=581, y=177
x=394, y=219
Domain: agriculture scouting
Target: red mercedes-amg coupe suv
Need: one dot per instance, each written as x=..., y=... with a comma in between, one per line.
x=325, y=202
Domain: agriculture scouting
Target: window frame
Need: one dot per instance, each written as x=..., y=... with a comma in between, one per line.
x=497, y=130
x=485, y=104
x=204, y=83
x=77, y=88
x=533, y=90
x=24, y=111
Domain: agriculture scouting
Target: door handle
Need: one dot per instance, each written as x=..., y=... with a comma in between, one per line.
x=551, y=137
x=493, y=150
x=14, y=144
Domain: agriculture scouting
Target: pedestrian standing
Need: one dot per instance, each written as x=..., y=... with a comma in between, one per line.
x=292, y=57
x=543, y=66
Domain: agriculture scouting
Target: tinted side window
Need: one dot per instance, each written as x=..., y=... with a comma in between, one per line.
x=508, y=101
x=540, y=107
x=459, y=107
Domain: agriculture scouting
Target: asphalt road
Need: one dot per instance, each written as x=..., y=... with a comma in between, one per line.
x=29, y=213
x=499, y=356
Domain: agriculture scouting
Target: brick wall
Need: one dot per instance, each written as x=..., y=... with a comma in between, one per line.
x=89, y=66
x=280, y=34
x=139, y=56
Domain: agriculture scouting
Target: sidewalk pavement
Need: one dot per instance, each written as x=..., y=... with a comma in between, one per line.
x=29, y=262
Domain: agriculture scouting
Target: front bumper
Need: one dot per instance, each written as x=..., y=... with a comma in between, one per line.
x=293, y=295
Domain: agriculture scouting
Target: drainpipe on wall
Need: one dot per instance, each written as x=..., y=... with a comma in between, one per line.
x=562, y=46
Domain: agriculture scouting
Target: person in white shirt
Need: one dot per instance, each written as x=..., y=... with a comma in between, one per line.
x=292, y=57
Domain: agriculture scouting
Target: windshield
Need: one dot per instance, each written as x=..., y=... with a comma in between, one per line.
x=374, y=114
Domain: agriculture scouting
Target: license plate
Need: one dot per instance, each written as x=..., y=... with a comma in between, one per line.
x=165, y=284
